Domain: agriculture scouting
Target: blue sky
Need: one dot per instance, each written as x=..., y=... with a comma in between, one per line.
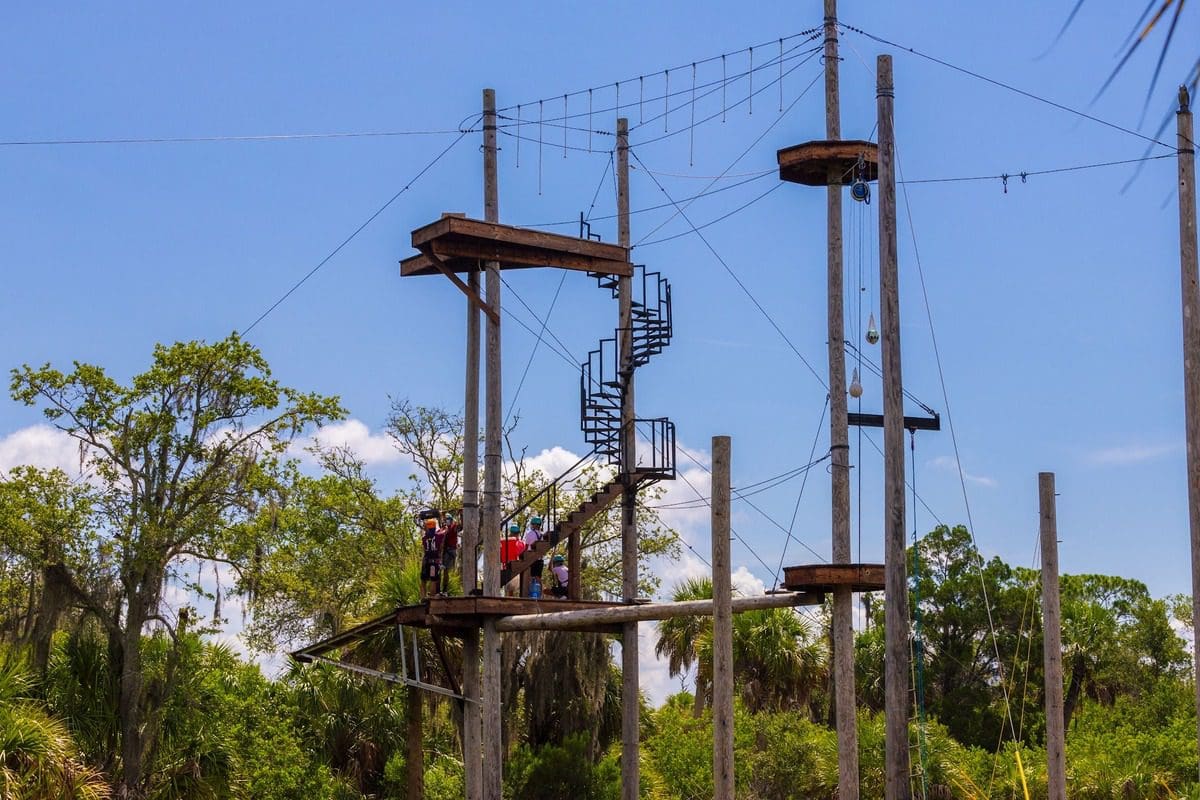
x=1055, y=304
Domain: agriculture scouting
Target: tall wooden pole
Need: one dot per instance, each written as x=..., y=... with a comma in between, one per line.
x=896, y=666
x=630, y=690
x=722, y=623
x=469, y=550
x=492, y=738
x=839, y=440
x=1056, y=758
x=1191, y=347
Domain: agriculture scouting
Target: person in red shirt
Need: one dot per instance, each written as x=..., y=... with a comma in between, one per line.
x=431, y=561
x=512, y=547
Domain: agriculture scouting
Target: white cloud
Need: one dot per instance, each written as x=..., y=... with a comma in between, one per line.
x=949, y=464
x=372, y=448
x=1129, y=454
x=40, y=446
x=551, y=462
x=746, y=583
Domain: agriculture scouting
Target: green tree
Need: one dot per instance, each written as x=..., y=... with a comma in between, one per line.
x=45, y=535
x=177, y=453
x=778, y=661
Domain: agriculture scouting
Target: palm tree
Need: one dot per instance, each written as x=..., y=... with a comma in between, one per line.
x=685, y=641
x=37, y=756
x=778, y=660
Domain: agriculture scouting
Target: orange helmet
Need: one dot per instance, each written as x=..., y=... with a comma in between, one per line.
x=430, y=524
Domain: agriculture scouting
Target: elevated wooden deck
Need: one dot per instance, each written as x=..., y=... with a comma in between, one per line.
x=828, y=163
x=461, y=244
x=824, y=578
x=452, y=615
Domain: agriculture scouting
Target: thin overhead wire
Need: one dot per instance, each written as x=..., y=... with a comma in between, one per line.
x=355, y=233
x=732, y=164
x=641, y=78
x=800, y=494
x=1007, y=86
x=962, y=478
x=712, y=222
x=736, y=279
x=262, y=137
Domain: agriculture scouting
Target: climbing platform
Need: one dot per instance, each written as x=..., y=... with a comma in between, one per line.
x=829, y=163
x=825, y=578
x=450, y=616
x=456, y=243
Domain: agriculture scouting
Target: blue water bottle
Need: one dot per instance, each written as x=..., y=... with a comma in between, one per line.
x=535, y=588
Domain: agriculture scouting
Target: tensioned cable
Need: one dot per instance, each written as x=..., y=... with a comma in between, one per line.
x=265, y=137
x=735, y=277
x=709, y=60
x=742, y=492
x=962, y=479
x=800, y=496
x=356, y=232
x=712, y=222
x=757, y=177
x=544, y=322
x=732, y=164
x=1007, y=86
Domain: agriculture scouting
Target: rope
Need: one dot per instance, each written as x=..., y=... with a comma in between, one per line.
x=918, y=643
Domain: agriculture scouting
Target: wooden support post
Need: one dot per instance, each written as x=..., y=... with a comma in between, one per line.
x=896, y=701
x=630, y=687
x=574, y=564
x=842, y=620
x=1056, y=759
x=722, y=623
x=469, y=554
x=491, y=695
x=1186, y=143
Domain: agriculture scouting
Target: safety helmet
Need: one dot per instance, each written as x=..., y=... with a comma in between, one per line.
x=559, y=560
x=514, y=529
x=535, y=520
x=449, y=517
x=430, y=524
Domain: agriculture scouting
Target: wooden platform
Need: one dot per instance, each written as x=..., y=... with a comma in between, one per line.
x=824, y=578
x=452, y=615
x=828, y=163
x=463, y=245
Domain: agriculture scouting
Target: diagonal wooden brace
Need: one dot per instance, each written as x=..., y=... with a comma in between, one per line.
x=435, y=259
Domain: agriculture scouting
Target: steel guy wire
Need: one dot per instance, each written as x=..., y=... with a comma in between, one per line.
x=356, y=232
x=736, y=279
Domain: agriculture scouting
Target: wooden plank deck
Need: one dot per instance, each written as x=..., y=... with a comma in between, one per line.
x=827, y=163
x=463, y=244
x=826, y=577
x=452, y=615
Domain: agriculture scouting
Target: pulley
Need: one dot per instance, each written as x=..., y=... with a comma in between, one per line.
x=860, y=190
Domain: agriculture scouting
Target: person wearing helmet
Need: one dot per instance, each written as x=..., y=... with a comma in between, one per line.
x=512, y=547
x=449, y=534
x=558, y=568
x=431, y=561
x=533, y=535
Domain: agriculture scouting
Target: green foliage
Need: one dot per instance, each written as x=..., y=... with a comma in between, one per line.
x=553, y=772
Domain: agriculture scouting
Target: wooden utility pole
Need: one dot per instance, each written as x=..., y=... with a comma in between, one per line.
x=722, y=623
x=469, y=551
x=1056, y=758
x=896, y=658
x=492, y=737
x=630, y=692
x=839, y=439
x=1186, y=145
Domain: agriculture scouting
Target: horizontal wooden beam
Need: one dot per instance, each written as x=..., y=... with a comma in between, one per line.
x=933, y=423
x=590, y=618
x=827, y=577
